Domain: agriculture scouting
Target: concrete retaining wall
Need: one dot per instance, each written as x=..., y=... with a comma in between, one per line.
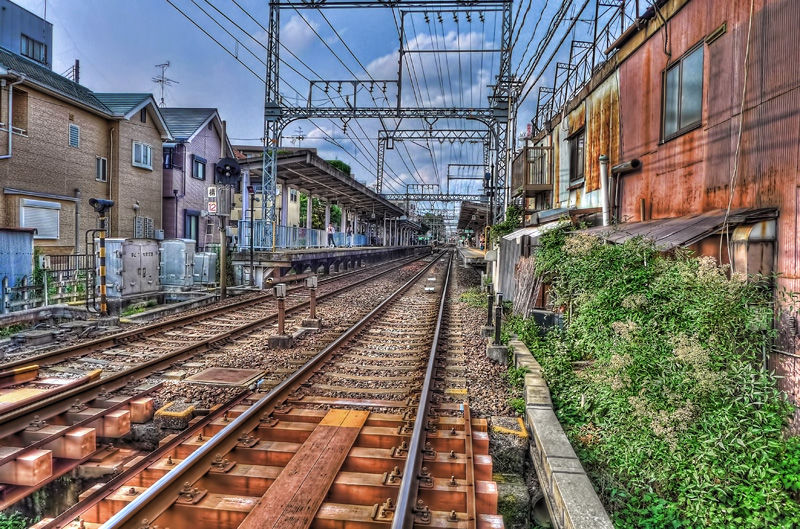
x=570, y=497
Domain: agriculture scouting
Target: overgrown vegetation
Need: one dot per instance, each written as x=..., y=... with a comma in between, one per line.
x=512, y=222
x=9, y=330
x=671, y=411
x=14, y=521
x=515, y=376
x=138, y=308
x=474, y=297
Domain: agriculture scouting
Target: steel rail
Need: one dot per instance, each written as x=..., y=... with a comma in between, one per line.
x=407, y=494
x=161, y=495
x=131, y=471
x=17, y=419
x=112, y=340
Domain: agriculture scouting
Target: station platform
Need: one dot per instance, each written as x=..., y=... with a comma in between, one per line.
x=281, y=262
x=472, y=256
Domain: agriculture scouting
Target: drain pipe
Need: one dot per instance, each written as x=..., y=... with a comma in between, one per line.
x=22, y=78
x=604, y=188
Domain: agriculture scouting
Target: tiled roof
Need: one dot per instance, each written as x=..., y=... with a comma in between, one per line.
x=122, y=103
x=183, y=122
x=44, y=76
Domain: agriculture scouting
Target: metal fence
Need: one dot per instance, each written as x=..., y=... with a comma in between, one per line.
x=61, y=279
x=291, y=237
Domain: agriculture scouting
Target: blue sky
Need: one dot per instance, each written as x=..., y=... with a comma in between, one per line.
x=119, y=42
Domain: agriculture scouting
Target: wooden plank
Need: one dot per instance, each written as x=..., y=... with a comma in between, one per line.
x=295, y=496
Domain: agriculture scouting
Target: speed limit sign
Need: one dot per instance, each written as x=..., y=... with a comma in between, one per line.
x=212, y=207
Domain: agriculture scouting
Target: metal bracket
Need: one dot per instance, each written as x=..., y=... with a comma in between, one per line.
x=190, y=495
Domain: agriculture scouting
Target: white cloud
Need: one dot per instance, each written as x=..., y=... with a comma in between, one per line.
x=297, y=35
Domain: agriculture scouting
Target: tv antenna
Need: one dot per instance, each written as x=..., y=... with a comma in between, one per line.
x=163, y=81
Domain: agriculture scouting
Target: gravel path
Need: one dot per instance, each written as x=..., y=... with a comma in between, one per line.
x=489, y=392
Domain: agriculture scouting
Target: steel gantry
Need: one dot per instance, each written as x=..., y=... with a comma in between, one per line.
x=496, y=117
x=386, y=139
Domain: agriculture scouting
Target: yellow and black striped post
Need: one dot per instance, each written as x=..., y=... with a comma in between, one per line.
x=102, y=256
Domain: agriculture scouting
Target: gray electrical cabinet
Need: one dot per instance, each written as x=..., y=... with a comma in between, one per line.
x=139, y=266
x=114, y=283
x=205, y=268
x=177, y=262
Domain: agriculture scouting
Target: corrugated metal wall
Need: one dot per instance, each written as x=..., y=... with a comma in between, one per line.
x=16, y=255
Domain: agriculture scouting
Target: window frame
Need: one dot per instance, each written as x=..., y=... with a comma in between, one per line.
x=678, y=63
x=32, y=43
x=27, y=203
x=572, y=140
x=197, y=162
x=142, y=164
x=69, y=136
x=98, y=162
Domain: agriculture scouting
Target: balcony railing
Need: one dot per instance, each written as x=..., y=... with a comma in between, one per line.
x=531, y=171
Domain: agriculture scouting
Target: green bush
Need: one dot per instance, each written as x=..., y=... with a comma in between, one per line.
x=14, y=521
x=671, y=411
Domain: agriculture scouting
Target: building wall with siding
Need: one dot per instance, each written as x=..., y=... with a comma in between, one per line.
x=135, y=183
x=42, y=161
x=206, y=144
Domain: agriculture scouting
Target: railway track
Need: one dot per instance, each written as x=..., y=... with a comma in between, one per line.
x=364, y=435
x=58, y=420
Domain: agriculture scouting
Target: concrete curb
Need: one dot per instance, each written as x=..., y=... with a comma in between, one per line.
x=571, y=500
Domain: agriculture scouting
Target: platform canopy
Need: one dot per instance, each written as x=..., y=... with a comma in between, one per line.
x=308, y=172
x=473, y=216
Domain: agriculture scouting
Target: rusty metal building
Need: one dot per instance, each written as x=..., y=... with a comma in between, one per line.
x=701, y=100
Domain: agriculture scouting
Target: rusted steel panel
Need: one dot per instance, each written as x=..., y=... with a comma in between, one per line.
x=602, y=129
x=576, y=120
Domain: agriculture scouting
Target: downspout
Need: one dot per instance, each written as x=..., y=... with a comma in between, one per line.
x=604, y=188
x=110, y=172
x=77, y=220
x=22, y=78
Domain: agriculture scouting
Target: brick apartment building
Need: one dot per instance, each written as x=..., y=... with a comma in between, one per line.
x=62, y=144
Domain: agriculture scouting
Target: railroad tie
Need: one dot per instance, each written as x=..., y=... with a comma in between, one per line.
x=299, y=490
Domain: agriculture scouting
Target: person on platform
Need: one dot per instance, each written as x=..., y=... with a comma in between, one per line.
x=349, y=236
x=331, y=231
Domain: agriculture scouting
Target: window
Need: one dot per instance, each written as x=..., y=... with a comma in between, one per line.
x=142, y=155
x=198, y=168
x=33, y=49
x=576, y=158
x=293, y=195
x=74, y=135
x=101, y=169
x=191, y=225
x=143, y=115
x=169, y=152
x=42, y=215
x=683, y=94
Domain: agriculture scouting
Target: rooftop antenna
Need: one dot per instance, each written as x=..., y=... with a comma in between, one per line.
x=163, y=81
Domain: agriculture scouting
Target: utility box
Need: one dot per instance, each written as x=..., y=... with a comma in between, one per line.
x=205, y=268
x=177, y=262
x=139, y=266
x=114, y=282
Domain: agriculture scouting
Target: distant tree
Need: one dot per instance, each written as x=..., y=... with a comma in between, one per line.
x=318, y=213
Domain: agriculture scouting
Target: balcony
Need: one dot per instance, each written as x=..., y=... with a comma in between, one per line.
x=531, y=172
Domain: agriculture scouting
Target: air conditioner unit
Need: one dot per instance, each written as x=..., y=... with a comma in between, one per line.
x=158, y=235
